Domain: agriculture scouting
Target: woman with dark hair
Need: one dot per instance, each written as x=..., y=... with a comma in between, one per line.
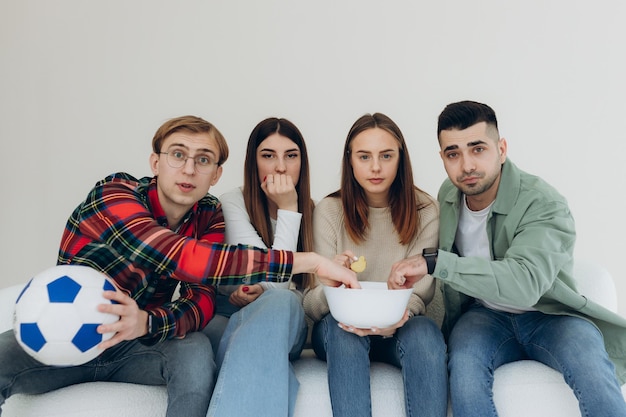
x=261, y=327
x=380, y=214
x=276, y=187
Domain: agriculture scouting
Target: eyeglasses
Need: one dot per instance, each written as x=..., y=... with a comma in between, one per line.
x=203, y=164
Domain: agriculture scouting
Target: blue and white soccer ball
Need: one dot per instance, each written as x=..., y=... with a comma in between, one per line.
x=56, y=315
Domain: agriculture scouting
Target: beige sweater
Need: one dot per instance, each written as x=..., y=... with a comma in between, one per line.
x=381, y=250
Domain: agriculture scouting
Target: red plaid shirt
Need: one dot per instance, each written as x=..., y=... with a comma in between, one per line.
x=121, y=230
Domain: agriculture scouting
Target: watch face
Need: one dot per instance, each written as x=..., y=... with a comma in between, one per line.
x=430, y=251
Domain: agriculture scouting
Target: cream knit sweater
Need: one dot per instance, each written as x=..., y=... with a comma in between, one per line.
x=381, y=250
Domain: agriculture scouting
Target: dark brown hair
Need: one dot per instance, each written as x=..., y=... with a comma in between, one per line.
x=256, y=200
x=463, y=114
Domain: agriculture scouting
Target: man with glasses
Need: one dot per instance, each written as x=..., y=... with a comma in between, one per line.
x=151, y=235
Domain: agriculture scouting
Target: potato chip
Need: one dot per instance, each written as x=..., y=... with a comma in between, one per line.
x=359, y=265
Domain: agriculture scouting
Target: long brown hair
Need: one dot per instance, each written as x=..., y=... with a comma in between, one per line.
x=256, y=200
x=402, y=200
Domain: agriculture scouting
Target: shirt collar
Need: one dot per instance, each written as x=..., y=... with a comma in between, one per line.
x=157, y=209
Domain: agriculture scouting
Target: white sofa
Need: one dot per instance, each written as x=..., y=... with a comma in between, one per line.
x=522, y=389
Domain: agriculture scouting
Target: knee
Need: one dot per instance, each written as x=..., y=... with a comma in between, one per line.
x=424, y=329
x=337, y=339
x=215, y=329
x=282, y=299
x=328, y=328
x=423, y=337
x=463, y=361
x=192, y=355
x=13, y=358
x=278, y=304
x=193, y=341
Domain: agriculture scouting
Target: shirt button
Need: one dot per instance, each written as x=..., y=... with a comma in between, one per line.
x=443, y=274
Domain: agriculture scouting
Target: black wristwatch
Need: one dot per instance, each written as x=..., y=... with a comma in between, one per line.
x=430, y=256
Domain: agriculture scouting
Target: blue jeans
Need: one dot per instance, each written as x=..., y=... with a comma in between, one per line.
x=417, y=348
x=216, y=327
x=484, y=339
x=185, y=365
x=255, y=375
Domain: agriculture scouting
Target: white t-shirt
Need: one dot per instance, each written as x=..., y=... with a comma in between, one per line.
x=472, y=240
x=239, y=229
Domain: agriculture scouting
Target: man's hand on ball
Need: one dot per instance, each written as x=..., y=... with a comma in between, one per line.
x=132, y=323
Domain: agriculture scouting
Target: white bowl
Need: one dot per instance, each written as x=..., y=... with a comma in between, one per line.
x=371, y=306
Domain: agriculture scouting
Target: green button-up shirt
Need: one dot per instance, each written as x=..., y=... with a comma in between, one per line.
x=531, y=237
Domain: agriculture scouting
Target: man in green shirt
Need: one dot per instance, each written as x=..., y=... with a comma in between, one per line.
x=505, y=261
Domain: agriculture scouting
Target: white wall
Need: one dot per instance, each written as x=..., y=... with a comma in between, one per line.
x=84, y=85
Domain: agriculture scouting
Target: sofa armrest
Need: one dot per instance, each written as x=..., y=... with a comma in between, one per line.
x=596, y=283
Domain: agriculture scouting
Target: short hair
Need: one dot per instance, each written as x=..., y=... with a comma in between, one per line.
x=402, y=199
x=191, y=124
x=256, y=200
x=464, y=114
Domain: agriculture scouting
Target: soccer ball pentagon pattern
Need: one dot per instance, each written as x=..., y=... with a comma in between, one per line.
x=56, y=315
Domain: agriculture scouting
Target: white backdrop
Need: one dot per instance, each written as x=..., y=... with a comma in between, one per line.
x=84, y=85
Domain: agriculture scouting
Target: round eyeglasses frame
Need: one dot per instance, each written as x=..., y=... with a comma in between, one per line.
x=201, y=163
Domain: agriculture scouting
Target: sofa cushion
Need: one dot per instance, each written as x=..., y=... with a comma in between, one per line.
x=522, y=389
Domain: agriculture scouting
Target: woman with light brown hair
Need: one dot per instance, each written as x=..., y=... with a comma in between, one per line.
x=378, y=213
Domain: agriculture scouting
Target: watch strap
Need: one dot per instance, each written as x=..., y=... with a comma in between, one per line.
x=430, y=256
x=151, y=324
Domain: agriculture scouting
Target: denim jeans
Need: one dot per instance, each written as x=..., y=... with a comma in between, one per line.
x=185, y=365
x=484, y=339
x=417, y=348
x=216, y=327
x=255, y=375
